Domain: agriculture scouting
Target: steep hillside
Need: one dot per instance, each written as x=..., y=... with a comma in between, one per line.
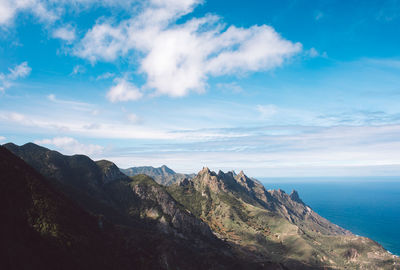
x=156, y=232
x=274, y=225
x=42, y=229
x=162, y=175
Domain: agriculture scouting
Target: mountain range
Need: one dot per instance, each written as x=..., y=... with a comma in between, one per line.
x=70, y=212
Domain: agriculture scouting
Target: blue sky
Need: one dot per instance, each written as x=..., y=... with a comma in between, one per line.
x=276, y=88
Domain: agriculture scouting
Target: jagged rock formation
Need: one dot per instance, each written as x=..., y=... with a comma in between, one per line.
x=162, y=175
x=273, y=225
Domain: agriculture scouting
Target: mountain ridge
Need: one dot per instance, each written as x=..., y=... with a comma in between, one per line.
x=162, y=175
x=228, y=217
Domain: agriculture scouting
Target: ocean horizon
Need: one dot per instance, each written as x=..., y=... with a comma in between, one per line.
x=366, y=206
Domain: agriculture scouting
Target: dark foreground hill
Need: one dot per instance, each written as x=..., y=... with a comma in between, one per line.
x=69, y=212
x=44, y=227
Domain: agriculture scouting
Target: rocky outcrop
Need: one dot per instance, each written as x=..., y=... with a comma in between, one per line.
x=167, y=210
x=293, y=209
x=109, y=171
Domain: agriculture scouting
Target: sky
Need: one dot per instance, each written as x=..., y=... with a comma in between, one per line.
x=283, y=88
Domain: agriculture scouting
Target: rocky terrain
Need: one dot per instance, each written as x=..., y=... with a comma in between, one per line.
x=69, y=212
x=275, y=225
x=162, y=175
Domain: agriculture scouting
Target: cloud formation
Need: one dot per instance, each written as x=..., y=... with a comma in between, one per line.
x=177, y=58
x=71, y=146
x=123, y=91
x=20, y=71
x=267, y=111
x=66, y=33
x=49, y=11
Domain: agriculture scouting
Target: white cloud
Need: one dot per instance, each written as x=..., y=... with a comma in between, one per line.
x=20, y=71
x=2, y=138
x=233, y=87
x=49, y=11
x=39, y=8
x=267, y=111
x=313, y=53
x=123, y=91
x=72, y=146
x=78, y=69
x=179, y=58
x=13, y=117
x=105, y=76
x=71, y=104
x=133, y=118
x=66, y=33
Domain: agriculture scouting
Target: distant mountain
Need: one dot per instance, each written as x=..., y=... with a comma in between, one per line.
x=162, y=175
x=69, y=212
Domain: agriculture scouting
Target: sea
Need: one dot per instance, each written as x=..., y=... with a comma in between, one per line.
x=368, y=206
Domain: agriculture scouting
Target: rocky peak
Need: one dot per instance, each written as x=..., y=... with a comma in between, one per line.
x=295, y=197
x=205, y=170
x=110, y=171
x=244, y=181
x=185, y=182
x=209, y=178
x=231, y=173
x=167, y=170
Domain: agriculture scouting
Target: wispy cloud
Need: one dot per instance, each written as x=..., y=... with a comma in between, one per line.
x=267, y=111
x=305, y=150
x=133, y=118
x=313, y=53
x=71, y=104
x=105, y=76
x=49, y=11
x=71, y=146
x=9, y=9
x=2, y=138
x=20, y=71
x=78, y=69
x=232, y=87
x=389, y=11
x=319, y=15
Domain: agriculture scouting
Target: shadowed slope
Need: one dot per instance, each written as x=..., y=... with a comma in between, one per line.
x=160, y=234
